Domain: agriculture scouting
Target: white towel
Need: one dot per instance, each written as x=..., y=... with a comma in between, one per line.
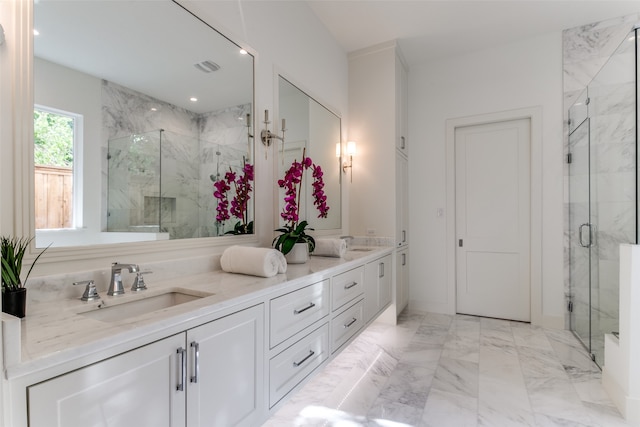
x=330, y=247
x=262, y=262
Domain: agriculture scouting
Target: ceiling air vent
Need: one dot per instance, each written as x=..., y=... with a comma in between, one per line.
x=207, y=66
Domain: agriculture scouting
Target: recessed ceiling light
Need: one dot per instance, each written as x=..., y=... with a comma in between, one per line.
x=243, y=52
x=193, y=99
x=154, y=109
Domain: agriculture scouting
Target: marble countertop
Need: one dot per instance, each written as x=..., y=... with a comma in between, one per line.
x=54, y=333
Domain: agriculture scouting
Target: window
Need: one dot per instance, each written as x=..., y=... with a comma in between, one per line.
x=56, y=152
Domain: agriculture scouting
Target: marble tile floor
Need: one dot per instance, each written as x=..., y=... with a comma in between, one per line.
x=439, y=370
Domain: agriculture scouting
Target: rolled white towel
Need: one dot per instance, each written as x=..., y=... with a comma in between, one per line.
x=330, y=247
x=262, y=262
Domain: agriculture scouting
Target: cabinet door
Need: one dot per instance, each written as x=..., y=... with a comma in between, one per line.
x=137, y=388
x=401, y=88
x=226, y=374
x=378, y=284
x=402, y=280
x=402, y=201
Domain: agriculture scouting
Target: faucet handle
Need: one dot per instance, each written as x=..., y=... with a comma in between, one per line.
x=138, y=282
x=90, y=292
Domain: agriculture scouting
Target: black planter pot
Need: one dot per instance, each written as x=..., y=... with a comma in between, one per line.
x=15, y=302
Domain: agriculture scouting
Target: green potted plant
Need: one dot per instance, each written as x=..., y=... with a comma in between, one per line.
x=294, y=231
x=14, y=294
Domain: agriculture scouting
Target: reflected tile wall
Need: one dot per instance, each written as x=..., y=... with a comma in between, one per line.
x=190, y=147
x=224, y=143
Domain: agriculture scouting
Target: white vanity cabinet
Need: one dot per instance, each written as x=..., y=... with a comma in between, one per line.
x=402, y=107
x=346, y=324
x=137, y=388
x=294, y=351
x=294, y=311
x=378, y=285
x=347, y=286
x=210, y=375
x=219, y=365
x=381, y=118
x=225, y=371
x=402, y=200
x=402, y=279
x=290, y=367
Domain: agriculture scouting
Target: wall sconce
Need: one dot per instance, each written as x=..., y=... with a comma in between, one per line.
x=266, y=136
x=351, y=150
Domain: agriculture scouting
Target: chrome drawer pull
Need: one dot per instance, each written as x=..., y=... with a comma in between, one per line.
x=302, y=310
x=183, y=369
x=351, y=285
x=296, y=364
x=353, y=320
x=196, y=361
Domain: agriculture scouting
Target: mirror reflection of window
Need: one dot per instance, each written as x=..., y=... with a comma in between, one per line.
x=56, y=139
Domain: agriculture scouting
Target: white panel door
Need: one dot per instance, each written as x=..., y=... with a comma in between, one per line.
x=493, y=219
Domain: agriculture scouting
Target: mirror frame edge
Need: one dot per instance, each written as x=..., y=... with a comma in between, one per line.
x=74, y=258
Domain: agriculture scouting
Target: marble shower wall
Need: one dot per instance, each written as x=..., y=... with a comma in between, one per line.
x=194, y=148
x=599, y=56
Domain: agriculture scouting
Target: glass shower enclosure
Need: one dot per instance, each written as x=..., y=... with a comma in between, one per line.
x=602, y=187
x=161, y=182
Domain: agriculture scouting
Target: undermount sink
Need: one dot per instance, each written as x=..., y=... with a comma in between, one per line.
x=126, y=310
x=361, y=249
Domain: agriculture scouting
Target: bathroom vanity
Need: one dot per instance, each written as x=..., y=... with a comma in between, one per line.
x=226, y=349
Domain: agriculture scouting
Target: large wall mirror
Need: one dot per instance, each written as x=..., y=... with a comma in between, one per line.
x=140, y=109
x=312, y=127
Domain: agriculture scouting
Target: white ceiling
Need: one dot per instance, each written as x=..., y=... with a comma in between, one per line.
x=430, y=29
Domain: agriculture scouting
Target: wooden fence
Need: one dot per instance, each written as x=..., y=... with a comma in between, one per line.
x=54, y=197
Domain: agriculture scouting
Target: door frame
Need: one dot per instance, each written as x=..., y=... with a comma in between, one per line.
x=534, y=114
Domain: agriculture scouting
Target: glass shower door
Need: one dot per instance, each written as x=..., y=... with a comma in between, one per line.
x=579, y=221
x=134, y=183
x=612, y=113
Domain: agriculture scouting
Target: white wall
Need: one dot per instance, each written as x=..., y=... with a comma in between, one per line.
x=517, y=75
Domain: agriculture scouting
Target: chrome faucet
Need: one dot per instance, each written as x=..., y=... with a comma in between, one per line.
x=115, y=285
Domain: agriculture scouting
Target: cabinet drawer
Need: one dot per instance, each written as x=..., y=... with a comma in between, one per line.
x=293, y=312
x=346, y=287
x=289, y=368
x=346, y=324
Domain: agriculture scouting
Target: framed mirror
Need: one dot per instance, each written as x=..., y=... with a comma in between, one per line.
x=316, y=129
x=140, y=108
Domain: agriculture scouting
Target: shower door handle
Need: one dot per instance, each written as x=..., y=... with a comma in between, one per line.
x=581, y=234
